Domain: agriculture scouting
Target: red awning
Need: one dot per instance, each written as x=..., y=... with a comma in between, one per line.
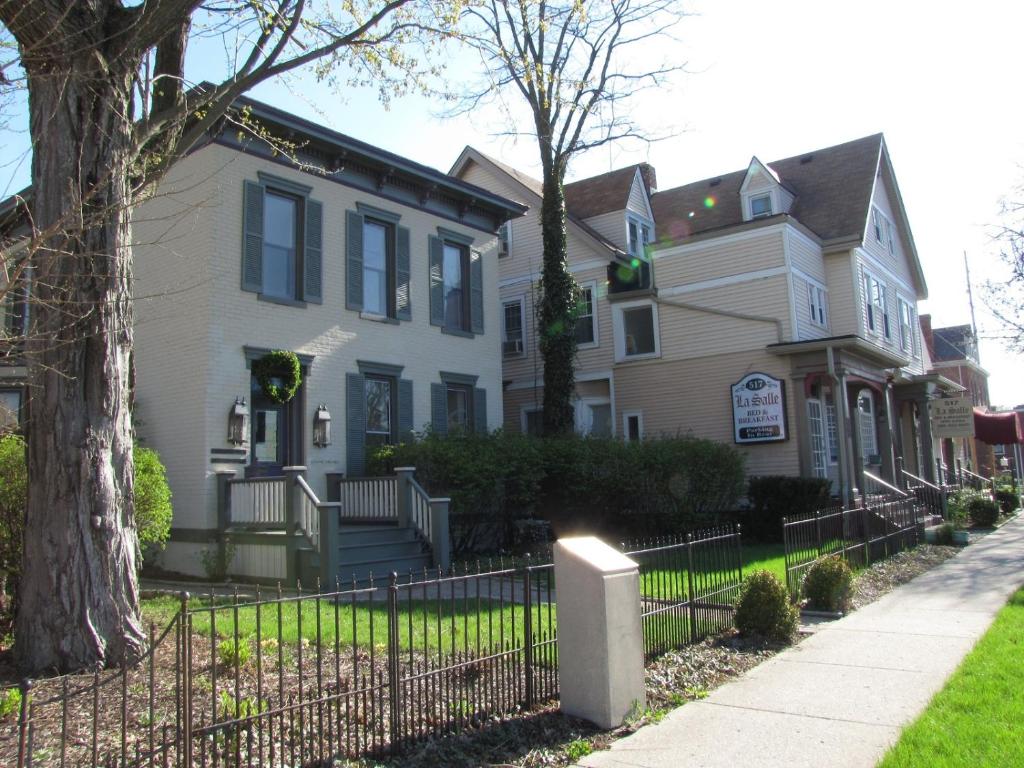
x=999, y=428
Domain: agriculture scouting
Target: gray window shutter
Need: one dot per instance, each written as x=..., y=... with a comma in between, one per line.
x=313, y=240
x=476, y=292
x=439, y=409
x=355, y=424
x=252, y=238
x=436, y=248
x=405, y=421
x=403, y=295
x=480, y=410
x=353, y=260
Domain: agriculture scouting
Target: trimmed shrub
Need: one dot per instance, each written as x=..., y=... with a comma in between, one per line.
x=764, y=608
x=153, y=510
x=13, y=487
x=828, y=585
x=773, y=497
x=983, y=511
x=1007, y=499
x=578, y=484
x=944, y=534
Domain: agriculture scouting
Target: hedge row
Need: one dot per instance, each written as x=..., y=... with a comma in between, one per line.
x=578, y=484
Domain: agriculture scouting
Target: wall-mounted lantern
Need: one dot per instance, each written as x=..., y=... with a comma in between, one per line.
x=322, y=426
x=238, y=421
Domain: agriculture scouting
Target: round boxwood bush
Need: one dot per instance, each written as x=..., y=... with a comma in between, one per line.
x=764, y=608
x=983, y=511
x=828, y=585
x=1007, y=500
x=944, y=534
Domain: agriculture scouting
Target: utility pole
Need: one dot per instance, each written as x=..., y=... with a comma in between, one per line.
x=970, y=299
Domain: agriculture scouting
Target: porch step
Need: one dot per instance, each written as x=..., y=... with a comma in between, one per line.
x=362, y=535
x=379, y=548
x=382, y=568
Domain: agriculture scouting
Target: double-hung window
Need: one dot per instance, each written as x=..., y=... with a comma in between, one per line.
x=636, y=331
x=505, y=240
x=876, y=306
x=282, y=241
x=586, y=322
x=906, y=326
x=816, y=300
x=456, y=284
x=377, y=264
x=378, y=411
x=513, y=341
x=639, y=233
x=15, y=304
x=884, y=230
x=458, y=405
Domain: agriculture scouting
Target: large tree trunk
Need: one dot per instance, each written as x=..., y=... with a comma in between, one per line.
x=79, y=589
x=557, y=310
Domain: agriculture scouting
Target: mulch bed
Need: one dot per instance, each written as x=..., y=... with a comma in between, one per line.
x=883, y=577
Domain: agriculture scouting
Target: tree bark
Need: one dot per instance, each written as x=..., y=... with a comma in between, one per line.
x=79, y=595
x=557, y=309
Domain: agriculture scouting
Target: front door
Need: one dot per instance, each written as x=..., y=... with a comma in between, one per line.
x=271, y=435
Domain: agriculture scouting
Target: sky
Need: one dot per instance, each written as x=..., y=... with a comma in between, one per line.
x=940, y=79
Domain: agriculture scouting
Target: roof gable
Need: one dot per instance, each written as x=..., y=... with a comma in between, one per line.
x=832, y=190
x=604, y=193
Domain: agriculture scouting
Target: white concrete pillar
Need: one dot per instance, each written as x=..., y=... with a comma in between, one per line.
x=600, y=636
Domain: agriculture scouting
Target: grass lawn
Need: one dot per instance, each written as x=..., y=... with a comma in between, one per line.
x=429, y=624
x=976, y=719
x=667, y=583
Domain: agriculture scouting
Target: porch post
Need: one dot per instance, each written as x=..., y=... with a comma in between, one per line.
x=803, y=431
x=439, y=536
x=223, y=511
x=292, y=502
x=889, y=438
x=927, y=447
x=899, y=483
x=405, y=476
x=334, y=485
x=841, y=399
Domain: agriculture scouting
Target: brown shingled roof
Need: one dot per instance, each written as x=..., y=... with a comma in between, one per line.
x=600, y=194
x=832, y=189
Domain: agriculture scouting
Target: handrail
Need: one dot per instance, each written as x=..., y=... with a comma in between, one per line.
x=974, y=475
x=879, y=481
x=419, y=514
x=920, y=480
x=309, y=512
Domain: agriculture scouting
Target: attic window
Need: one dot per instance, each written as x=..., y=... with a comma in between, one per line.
x=760, y=206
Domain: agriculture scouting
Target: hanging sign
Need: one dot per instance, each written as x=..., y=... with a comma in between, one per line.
x=951, y=417
x=758, y=409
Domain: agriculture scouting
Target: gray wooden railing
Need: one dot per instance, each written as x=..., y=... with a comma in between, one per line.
x=368, y=499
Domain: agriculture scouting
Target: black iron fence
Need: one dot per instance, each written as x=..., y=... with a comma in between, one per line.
x=688, y=586
x=861, y=535
x=366, y=671
x=304, y=678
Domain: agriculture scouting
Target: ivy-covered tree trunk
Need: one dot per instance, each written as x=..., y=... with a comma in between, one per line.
x=79, y=590
x=557, y=309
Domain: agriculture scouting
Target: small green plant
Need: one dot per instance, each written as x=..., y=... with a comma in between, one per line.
x=578, y=749
x=239, y=709
x=828, y=585
x=944, y=534
x=231, y=654
x=217, y=562
x=983, y=511
x=10, y=703
x=764, y=609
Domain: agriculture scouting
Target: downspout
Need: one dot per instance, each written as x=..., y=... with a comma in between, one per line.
x=842, y=413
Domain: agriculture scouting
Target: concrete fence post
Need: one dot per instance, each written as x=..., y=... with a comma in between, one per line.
x=405, y=476
x=440, y=537
x=292, y=504
x=600, y=632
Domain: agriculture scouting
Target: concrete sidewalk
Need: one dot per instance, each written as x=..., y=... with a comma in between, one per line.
x=842, y=696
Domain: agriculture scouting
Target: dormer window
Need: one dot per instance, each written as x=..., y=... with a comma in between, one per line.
x=760, y=206
x=639, y=233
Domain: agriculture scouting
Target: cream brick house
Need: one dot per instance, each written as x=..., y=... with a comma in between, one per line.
x=380, y=275
x=799, y=275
